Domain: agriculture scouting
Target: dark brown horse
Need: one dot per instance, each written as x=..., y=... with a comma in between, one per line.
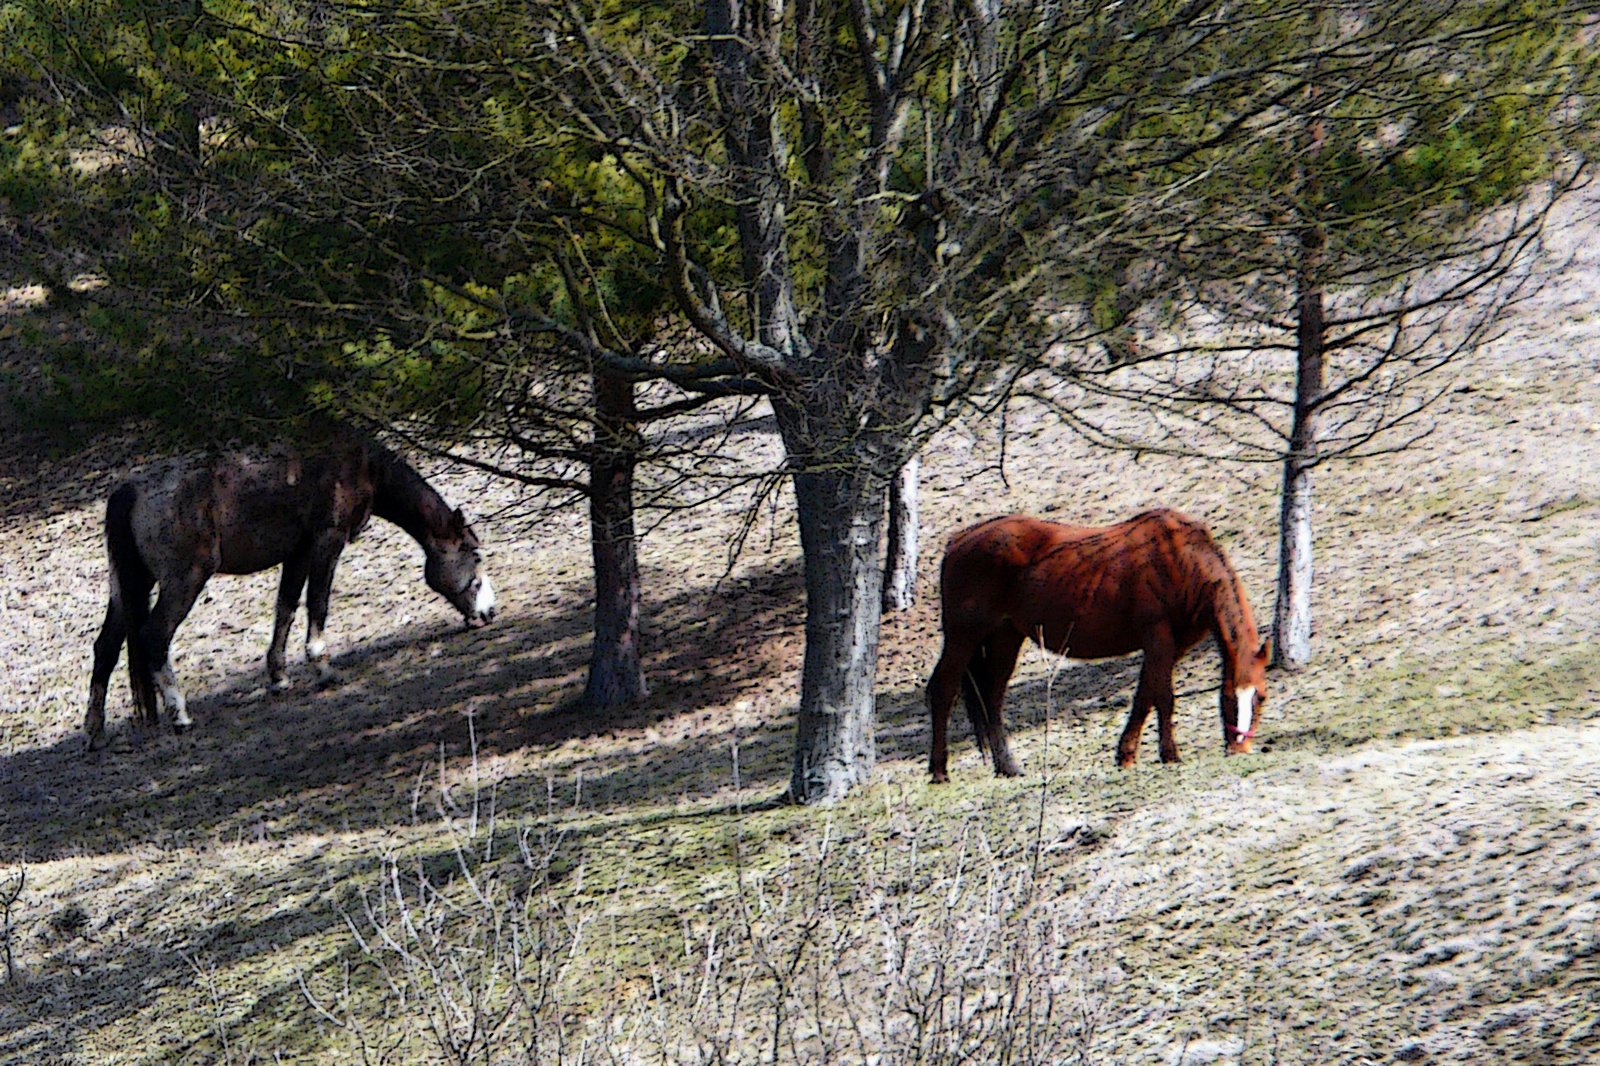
x=1156, y=583
x=174, y=525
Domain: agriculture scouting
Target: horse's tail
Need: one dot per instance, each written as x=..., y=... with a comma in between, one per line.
x=131, y=582
x=977, y=679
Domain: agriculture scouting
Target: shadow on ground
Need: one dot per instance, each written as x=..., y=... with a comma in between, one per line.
x=348, y=756
x=114, y=968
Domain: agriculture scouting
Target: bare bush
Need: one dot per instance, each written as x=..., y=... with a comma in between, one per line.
x=894, y=946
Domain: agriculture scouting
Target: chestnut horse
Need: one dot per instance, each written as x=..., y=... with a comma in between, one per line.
x=182, y=520
x=1156, y=583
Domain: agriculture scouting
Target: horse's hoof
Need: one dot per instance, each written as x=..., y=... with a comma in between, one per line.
x=329, y=678
x=96, y=743
x=180, y=728
x=1008, y=770
x=281, y=684
x=940, y=777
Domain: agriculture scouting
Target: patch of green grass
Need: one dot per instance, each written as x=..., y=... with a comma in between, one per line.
x=1486, y=688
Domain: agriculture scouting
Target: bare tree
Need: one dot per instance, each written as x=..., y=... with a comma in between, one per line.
x=1303, y=303
x=927, y=197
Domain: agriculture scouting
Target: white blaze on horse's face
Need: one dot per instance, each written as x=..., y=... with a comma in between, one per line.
x=483, y=603
x=1247, y=707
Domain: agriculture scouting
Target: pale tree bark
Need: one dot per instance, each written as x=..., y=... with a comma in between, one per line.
x=840, y=525
x=1292, y=612
x=900, y=555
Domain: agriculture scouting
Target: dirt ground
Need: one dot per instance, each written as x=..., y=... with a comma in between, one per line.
x=1404, y=872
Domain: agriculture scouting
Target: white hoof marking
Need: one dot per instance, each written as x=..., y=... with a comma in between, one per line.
x=172, y=696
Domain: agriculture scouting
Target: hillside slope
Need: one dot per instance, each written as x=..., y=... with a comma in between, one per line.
x=1402, y=873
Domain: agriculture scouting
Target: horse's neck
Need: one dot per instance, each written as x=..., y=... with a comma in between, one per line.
x=399, y=495
x=1235, y=629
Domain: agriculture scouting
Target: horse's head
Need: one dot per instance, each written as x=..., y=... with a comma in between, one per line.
x=1244, y=692
x=455, y=570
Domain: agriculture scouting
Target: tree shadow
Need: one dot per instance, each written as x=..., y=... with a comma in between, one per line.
x=414, y=710
x=1079, y=690
x=366, y=753
x=348, y=755
x=105, y=971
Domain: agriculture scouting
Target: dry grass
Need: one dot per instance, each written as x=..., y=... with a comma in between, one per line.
x=1402, y=874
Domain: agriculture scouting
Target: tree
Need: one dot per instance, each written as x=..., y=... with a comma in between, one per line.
x=1303, y=301
x=918, y=190
x=900, y=553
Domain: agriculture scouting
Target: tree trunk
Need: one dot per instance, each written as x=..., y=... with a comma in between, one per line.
x=900, y=557
x=841, y=523
x=178, y=142
x=615, y=673
x=1292, y=614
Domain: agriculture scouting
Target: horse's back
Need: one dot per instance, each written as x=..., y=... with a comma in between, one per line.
x=242, y=512
x=1019, y=540
x=1099, y=587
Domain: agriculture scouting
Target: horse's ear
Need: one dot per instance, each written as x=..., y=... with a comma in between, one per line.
x=1264, y=653
x=458, y=521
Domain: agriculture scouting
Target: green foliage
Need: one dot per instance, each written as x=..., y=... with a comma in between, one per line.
x=424, y=180
x=343, y=233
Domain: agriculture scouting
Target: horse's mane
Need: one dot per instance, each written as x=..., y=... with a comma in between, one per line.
x=1201, y=551
x=402, y=495
x=389, y=469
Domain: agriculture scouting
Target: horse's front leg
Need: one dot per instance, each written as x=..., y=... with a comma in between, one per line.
x=319, y=590
x=1155, y=679
x=290, y=585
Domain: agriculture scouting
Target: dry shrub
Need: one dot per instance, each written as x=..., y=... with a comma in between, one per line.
x=871, y=950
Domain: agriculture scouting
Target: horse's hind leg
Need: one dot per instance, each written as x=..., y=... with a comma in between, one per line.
x=107, y=648
x=991, y=672
x=943, y=687
x=290, y=584
x=1128, y=743
x=172, y=607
